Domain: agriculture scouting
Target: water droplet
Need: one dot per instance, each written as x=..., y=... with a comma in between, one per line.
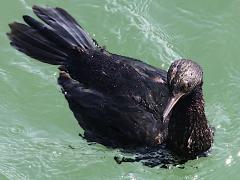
x=195, y=177
x=169, y=46
x=229, y=160
x=131, y=176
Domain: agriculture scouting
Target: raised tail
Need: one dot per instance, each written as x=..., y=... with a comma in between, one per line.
x=53, y=42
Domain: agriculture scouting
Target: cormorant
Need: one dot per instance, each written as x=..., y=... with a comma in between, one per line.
x=118, y=101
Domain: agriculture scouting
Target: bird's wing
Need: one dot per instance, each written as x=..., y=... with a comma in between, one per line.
x=153, y=73
x=155, y=92
x=118, y=119
x=120, y=76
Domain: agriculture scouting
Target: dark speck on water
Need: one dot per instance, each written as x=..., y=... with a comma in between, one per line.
x=71, y=147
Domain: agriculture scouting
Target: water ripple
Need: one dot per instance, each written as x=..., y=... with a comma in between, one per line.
x=40, y=70
x=137, y=13
x=30, y=152
x=22, y=150
x=25, y=4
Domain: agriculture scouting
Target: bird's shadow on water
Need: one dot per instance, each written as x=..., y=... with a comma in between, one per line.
x=152, y=157
x=156, y=156
x=149, y=156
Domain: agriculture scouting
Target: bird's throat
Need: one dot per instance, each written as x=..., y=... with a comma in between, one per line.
x=189, y=133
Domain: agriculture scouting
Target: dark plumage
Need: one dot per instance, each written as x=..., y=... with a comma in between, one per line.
x=117, y=100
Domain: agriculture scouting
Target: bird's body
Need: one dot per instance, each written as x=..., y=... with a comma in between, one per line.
x=117, y=100
x=126, y=99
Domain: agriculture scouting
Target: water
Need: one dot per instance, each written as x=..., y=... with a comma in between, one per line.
x=37, y=127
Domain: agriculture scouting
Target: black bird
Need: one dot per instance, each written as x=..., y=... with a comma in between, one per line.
x=118, y=101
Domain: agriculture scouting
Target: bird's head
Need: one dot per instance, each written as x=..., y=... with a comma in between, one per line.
x=183, y=77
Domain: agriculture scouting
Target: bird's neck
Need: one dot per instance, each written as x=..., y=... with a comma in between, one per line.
x=189, y=133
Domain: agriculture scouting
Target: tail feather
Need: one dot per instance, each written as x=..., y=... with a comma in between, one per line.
x=29, y=41
x=49, y=33
x=65, y=25
x=53, y=42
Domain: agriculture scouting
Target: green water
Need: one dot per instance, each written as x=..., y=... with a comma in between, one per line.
x=36, y=125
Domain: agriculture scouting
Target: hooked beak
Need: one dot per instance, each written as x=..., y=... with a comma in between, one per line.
x=171, y=103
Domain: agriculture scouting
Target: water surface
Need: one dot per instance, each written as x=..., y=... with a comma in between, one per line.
x=37, y=127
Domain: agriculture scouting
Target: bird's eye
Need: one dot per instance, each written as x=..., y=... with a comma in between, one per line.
x=182, y=88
